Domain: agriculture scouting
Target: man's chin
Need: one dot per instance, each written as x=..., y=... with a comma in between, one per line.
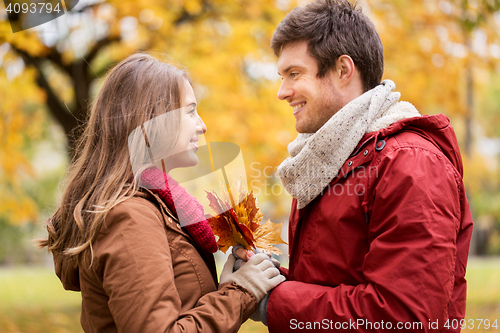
x=300, y=128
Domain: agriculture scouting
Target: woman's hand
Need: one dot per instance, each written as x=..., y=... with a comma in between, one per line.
x=258, y=275
x=242, y=255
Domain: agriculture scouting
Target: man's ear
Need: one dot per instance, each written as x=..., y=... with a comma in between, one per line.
x=345, y=69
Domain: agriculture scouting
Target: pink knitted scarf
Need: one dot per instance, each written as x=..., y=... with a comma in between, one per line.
x=186, y=207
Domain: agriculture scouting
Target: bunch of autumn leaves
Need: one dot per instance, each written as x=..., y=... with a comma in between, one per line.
x=238, y=218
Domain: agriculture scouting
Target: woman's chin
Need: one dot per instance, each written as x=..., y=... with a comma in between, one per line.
x=189, y=160
x=193, y=161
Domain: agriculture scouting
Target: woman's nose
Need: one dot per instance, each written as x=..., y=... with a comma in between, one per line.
x=202, y=128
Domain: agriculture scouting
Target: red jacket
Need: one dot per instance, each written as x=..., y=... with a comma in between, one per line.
x=386, y=244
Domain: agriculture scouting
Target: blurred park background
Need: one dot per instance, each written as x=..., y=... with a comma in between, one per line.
x=443, y=55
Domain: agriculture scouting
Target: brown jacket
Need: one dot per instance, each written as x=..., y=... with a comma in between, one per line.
x=148, y=277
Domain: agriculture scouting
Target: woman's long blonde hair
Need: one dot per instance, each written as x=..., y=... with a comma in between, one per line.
x=138, y=89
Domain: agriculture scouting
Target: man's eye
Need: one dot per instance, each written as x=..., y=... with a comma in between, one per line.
x=293, y=75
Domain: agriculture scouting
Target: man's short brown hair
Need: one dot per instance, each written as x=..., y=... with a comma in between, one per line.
x=333, y=28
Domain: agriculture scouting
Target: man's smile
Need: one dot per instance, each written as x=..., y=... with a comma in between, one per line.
x=297, y=107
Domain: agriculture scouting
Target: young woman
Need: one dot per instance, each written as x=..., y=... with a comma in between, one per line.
x=116, y=235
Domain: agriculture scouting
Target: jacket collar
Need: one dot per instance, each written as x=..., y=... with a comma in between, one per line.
x=150, y=195
x=436, y=129
x=171, y=220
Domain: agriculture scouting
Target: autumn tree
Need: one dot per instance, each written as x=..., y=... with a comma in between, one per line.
x=430, y=47
x=223, y=43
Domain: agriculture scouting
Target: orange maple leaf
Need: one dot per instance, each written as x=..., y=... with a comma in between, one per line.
x=241, y=224
x=225, y=225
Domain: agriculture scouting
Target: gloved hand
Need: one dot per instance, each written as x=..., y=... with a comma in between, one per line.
x=242, y=256
x=260, y=314
x=258, y=275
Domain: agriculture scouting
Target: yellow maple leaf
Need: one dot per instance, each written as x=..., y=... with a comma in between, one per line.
x=267, y=234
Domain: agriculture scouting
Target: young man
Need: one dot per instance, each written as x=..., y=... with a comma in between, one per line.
x=380, y=225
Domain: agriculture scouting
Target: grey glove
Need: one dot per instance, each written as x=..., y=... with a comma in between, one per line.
x=260, y=314
x=258, y=275
x=240, y=261
x=275, y=262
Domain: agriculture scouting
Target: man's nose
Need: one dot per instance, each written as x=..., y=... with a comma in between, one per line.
x=285, y=90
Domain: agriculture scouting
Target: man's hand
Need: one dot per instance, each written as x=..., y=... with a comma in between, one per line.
x=242, y=256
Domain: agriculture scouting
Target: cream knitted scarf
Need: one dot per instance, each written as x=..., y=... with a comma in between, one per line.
x=316, y=158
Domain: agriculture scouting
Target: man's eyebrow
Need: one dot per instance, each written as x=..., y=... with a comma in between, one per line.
x=290, y=68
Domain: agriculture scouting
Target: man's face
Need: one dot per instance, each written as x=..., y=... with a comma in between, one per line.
x=313, y=100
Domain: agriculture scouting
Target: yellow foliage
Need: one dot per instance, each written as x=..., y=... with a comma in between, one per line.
x=17, y=209
x=193, y=7
x=478, y=175
x=218, y=44
x=15, y=125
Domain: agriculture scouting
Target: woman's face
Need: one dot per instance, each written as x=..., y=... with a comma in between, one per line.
x=184, y=151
